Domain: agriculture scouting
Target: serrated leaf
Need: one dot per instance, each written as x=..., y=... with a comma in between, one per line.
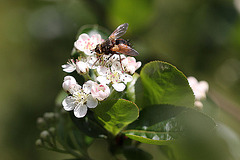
x=162, y=83
x=164, y=124
x=116, y=114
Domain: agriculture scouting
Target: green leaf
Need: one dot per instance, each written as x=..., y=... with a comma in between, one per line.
x=162, y=83
x=132, y=153
x=89, y=125
x=164, y=124
x=116, y=114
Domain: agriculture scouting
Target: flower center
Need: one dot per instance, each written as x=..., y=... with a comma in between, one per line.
x=114, y=77
x=101, y=88
x=81, y=97
x=88, y=45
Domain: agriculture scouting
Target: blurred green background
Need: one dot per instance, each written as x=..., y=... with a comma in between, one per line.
x=201, y=38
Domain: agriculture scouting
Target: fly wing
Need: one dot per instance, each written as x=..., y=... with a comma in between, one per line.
x=125, y=49
x=120, y=31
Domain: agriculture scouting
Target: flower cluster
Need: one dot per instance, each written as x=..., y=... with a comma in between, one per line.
x=199, y=89
x=108, y=73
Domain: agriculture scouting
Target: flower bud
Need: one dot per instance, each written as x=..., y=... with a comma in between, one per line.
x=39, y=143
x=52, y=130
x=100, y=91
x=44, y=135
x=68, y=81
x=41, y=123
x=198, y=104
x=49, y=115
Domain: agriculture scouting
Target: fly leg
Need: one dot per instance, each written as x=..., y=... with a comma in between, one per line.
x=97, y=59
x=120, y=60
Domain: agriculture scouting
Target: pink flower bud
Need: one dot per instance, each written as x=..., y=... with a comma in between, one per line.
x=100, y=91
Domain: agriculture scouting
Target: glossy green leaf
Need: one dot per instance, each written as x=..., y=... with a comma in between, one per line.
x=162, y=83
x=164, y=124
x=116, y=114
x=132, y=153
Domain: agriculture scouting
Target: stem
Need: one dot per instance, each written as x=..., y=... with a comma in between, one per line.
x=72, y=152
x=87, y=77
x=56, y=150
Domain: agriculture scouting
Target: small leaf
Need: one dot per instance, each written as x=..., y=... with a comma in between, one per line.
x=116, y=114
x=162, y=83
x=132, y=153
x=164, y=124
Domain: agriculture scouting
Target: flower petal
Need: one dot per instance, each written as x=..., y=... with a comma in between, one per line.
x=103, y=80
x=82, y=67
x=92, y=102
x=116, y=66
x=192, y=81
x=88, y=52
x=119, y=86
x=87, y=86
x=80, y=111
x=103, y=70
x=68, y=82
x=126, y=78
x=69, y=103
x=74, y=88
x=83, y=36
x=68, y=68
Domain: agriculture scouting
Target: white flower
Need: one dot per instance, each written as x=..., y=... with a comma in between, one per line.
x=114, y=75
x=87, y=86
x=69, y=67
x=86, y=43
x=92, y=60
x=130, y=65
x=199, y=88
x=100, y=91
x=82, y=67
x=79, y=101
x=68, y=82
